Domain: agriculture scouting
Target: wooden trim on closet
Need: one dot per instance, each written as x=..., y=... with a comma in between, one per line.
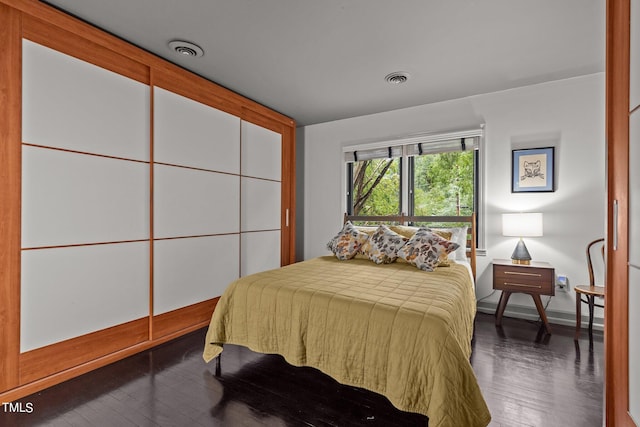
x=79, y=28
x=183, y=320
x=45, y=361
x=36, y=363
x=265, y=121
x=84, y=153
x=68, y=43
x=289, y=194
x=10, y=196
x=190, y=85
x=194, y=168
x=616, y=320
x=57, y=378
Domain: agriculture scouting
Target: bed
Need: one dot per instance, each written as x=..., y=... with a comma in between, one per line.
x=390, y=328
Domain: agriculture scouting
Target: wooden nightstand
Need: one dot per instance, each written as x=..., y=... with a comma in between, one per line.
x=535, y=279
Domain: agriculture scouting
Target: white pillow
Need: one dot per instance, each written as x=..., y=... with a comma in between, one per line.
x=459, y=236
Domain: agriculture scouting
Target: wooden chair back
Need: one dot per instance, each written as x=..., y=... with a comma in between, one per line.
x=592, y=249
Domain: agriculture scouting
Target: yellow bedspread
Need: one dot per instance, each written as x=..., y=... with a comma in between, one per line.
x=391, y=328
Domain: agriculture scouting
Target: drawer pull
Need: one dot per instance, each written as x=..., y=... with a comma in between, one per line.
x=523, y=274
x=523, y=285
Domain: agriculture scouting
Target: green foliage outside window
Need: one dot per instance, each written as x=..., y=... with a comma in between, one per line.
x=376, y=187
x=444, y=184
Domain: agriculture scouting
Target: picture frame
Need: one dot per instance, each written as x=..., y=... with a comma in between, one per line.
x=533, y=170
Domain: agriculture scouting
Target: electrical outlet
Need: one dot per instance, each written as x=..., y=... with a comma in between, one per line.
x=562, y=281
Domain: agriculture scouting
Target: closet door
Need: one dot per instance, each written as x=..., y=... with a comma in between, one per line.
x=633, y=306
x=261, y=199
x=622, y=299
x=85, y=192
x=196, y=201
x=120, y=219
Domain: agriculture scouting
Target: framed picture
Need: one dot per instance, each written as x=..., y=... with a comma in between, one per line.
x=532, y=170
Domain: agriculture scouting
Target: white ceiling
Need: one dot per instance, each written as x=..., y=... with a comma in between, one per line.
x=323, y=60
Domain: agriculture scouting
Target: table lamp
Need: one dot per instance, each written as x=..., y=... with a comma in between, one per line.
x=521, y=225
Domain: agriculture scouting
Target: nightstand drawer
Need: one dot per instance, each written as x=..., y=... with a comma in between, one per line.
x=535, y=279
x=524, y=279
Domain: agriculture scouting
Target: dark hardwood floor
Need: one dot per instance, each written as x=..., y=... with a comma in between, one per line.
x=528, y=379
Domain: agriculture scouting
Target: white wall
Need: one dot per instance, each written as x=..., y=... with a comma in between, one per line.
x=567, y=114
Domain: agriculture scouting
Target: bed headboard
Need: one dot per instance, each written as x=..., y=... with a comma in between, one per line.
x=436, y=220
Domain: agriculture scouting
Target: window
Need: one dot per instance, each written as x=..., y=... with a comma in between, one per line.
x=442, y=183
x=430, y=175
x=375, y=187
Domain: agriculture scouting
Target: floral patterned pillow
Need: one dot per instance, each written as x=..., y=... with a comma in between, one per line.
x=404, y=230
x=348, y=242
x=409, y=231
x=425, y=249
x=368, y=230
x=383, y=245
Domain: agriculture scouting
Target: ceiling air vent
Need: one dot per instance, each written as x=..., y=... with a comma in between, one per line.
x=186, y=48
x=397, y=77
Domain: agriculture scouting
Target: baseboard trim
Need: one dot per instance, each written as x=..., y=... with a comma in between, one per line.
x=46, y=367
x=75, y=371
x=177, y=320
x=530, y=313
x=61, y=356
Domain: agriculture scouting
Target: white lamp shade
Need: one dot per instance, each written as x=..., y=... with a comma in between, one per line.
x=522, y=224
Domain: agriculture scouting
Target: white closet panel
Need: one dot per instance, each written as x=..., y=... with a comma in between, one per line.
x=261, y=208
x=634, y=216
x=72, y=104
x=191, y=202
x=634, y=343
x=68, y=292
x=260, y=252
x=191, y=270
x=261, y=152
x=189, y=133
x=70, y=198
